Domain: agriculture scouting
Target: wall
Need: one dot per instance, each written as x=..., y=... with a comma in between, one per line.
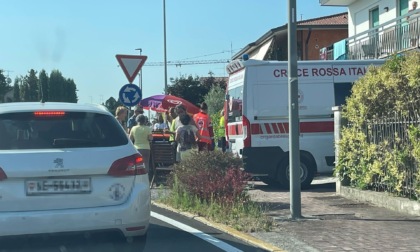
x=322, y=38
x=359, y=14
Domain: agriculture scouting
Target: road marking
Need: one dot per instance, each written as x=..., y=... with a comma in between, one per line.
x=208, y=238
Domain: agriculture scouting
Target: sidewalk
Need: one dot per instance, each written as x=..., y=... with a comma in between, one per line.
x=334, y=223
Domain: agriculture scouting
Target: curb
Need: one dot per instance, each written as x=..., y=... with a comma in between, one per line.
x=401, y=205
x=231, y=231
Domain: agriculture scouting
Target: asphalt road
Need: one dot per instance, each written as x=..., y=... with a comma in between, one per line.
x=180, y=234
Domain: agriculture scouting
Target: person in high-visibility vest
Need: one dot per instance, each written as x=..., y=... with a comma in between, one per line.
x=205, y=128
x=222, y=132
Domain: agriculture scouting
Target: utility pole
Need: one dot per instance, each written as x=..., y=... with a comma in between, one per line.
x=164, y=47
x=140, y=74
x=294, y=155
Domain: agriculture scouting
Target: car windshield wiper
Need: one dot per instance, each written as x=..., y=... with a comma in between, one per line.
x=73, y=142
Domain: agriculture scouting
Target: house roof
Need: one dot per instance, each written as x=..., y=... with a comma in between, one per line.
x=336, y=21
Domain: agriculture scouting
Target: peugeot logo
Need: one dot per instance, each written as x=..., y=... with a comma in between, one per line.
x=59, y=163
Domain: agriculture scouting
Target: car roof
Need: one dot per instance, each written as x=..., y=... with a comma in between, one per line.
x=51, y=106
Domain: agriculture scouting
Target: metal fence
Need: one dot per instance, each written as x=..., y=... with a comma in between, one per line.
x=395, y=36
x=393, y=133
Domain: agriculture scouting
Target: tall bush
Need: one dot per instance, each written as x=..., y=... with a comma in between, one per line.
x=393, y=88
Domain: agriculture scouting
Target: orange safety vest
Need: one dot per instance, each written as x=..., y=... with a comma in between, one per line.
x=203, y=122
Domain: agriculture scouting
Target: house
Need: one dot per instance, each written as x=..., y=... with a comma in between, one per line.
x=312, y=34
x=379, y=28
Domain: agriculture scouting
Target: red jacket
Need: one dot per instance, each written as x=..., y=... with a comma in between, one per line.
x=203, y=122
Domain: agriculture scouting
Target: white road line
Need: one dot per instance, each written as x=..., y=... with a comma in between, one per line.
x=208, y=238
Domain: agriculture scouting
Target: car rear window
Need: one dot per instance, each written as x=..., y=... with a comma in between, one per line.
x=63, y=130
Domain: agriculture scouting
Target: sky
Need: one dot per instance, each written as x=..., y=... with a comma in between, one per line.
x=80, y=38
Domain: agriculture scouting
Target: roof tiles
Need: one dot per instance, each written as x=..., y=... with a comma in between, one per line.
x=336, y=19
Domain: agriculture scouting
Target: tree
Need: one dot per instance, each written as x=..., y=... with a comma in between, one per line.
x=16, y=90
x=31, y=87
x=4, y=86
x=43, y=86
x=194, y=89
x=56, y=85
x=61, y=89
x=111, y=104
x=215, y=99
x=70, y=91
x=24, y=90
x=211, y=81
x=189, y=88
x=31, y=81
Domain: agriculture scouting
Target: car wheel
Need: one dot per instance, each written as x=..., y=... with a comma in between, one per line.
x=307, y=173
x=151, y=170
x=268, y=181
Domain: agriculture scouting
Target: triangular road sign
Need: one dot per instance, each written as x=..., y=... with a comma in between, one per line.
x=131, y=65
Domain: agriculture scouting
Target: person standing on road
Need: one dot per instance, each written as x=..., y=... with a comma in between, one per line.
x=170, y=116
x=186, y=136
x=160, y=124
x=176, y=123
x=141, y=135
x=221, y=143
x=121, y=116
x=138, y=110
x=205, y=128
x=179, y=110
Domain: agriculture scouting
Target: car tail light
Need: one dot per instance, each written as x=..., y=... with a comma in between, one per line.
x=246, y=128
x=49, y=113
x=3, y=175
x=128, y=166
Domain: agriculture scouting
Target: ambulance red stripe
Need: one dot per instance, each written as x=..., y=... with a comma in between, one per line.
x=256, y=128
x=284, y=127
x=305, y=127
x=281, y=128
x=275, y=128
x=267, y=128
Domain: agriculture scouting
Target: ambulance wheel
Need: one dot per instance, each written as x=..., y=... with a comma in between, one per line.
x=307, y=169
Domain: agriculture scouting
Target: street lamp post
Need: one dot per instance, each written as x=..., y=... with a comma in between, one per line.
x=294, y=155
x=164, y=47
x=140, y=74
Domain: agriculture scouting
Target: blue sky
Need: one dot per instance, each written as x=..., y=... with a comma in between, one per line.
x=81, y=37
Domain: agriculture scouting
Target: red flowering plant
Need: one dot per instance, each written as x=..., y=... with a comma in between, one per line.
x=212, y=176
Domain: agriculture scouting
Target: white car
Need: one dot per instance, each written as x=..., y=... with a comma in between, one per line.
x=69, y=167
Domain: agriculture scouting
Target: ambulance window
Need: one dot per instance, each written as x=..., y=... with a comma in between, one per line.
x=235, y=104
x=341, y=92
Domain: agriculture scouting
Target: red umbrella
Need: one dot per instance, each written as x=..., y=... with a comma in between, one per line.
x=161, y=103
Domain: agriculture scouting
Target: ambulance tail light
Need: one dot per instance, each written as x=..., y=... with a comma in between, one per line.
x=246, y=128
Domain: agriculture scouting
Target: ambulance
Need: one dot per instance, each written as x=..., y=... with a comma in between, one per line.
x=257, y=120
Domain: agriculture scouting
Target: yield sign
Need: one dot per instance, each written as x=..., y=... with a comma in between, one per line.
x=131, y=65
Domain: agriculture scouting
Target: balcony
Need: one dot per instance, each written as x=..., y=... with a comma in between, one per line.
x=336, y=2
x=393, y=37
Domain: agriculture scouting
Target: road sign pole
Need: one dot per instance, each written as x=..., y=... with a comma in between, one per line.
x=294, y=159
x=140, y=73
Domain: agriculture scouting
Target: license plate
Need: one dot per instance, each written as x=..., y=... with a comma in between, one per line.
x=58, y=186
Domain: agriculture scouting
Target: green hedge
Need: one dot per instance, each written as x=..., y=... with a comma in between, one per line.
x=393, y=88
